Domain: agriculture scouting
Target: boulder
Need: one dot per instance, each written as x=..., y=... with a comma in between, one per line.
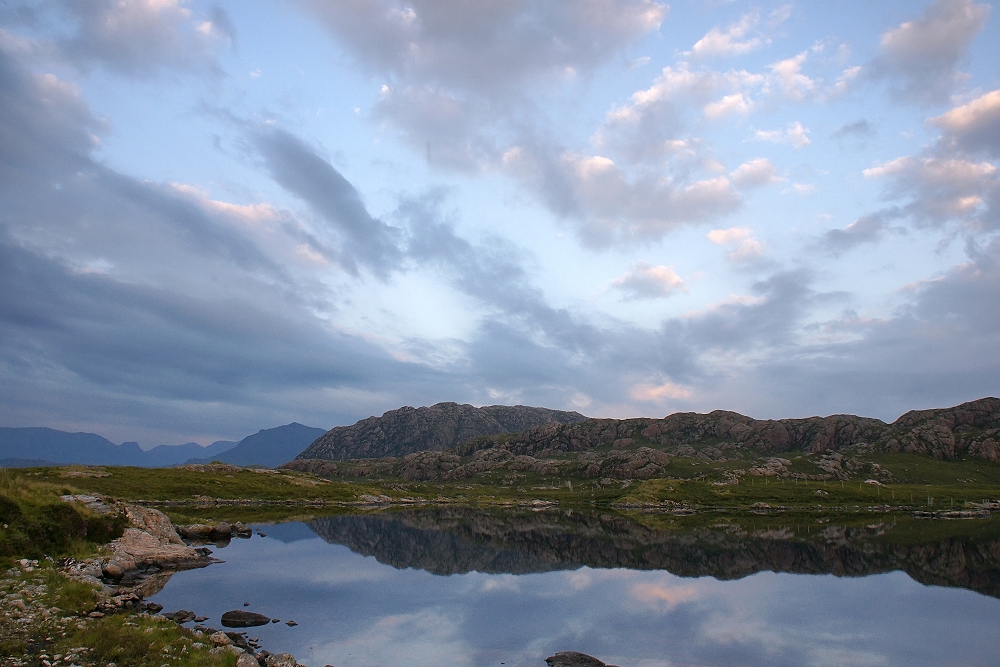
x=281, y=660
x=220, y=639
x=181, y=616
x=238, y=618
x=246, y=660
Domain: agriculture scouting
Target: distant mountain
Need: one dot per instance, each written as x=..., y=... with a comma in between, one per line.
x=268, y=447
x=21, y=447
x=61, y=447
x=441, y=426
x=171, y=455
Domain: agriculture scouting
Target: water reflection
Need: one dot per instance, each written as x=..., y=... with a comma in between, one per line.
x=631, y=590
x=452, y=541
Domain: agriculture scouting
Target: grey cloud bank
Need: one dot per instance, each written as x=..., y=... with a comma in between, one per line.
x=147, y=308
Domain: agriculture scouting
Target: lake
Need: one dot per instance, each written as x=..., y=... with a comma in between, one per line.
x=471, y=588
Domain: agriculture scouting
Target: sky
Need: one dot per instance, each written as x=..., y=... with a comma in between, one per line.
x=221, y=217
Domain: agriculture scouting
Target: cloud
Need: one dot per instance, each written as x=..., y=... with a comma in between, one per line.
x=491, y=49
x=140, y=37
x=366, y=241
x=755, y=173
x=973, y=127
x=737, y=103
x=611, y=208
x=787, y=78
x=860, y=130
x=942, y=190
x=444, y=128
x=732, y=42
x=745, y=246
x=651, y=125
x=870, y=228
x=795, y=135
x=938, y=348
x=657, y=393
x=920, y=58
x=137, y=307
x=645, y=281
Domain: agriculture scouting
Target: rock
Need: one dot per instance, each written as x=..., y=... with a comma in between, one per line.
x=181, y=616
x=243, y=619
x=151, y=541
x=220, y=639
x=246, y=660
x=574, y=659
x=196, y=531
x=112, y=570
x=281, y=660
x=153, y=607
x=241, y=531
x=291, y=624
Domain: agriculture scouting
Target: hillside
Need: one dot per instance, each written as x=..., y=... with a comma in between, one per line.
x=972, y=428
x=438, y=427
x=723, y=446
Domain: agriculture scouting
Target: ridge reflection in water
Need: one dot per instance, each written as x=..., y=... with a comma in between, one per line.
x=635, y=590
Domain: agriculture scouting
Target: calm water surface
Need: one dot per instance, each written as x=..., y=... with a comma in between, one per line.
x=423, y=589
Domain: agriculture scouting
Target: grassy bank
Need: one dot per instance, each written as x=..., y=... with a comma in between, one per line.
x=909, y=482
x=36, y=523
x=45, y=617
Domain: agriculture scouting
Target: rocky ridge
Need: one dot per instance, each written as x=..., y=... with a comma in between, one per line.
x=972, y=427
x=642, y=448
x=437, y=427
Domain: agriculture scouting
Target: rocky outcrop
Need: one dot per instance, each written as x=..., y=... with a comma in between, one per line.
x=972, y=427
x=140, y=561
x=150, y=542
x=441, y=426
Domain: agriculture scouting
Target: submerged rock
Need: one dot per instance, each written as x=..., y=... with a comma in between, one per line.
x=238, y=618
x=574, y=659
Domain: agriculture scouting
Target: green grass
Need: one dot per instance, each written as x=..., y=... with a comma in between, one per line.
x=163, y=484
x=917, y=482
x=34, y=522
x=808, y=494
x=138, y=640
